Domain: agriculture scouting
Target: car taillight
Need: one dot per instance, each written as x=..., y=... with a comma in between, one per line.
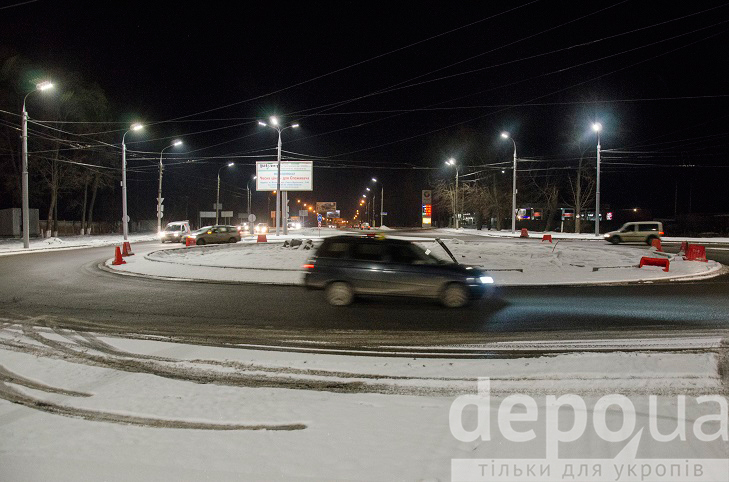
x=308, y=266
x=661, y=233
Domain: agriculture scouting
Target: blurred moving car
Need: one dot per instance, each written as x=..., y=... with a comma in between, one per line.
x=245, y=228
x=175, y=231
x=294, y=225
x=261, y=228
x=346, y=266
x=642, y=232
x=216, y=234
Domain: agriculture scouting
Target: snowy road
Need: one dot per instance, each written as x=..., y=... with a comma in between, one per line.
x=71, y=288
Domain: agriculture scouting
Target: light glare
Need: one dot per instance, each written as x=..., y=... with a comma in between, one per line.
x=274, y=121
x=45, y=85
x=505, y=135
x=177, y=143
x=597, y=127
x=136, y=126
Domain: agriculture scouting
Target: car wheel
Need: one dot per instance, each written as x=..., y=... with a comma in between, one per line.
x=339, y=293
x=200, y=242
x=455, y=295
x=615, y=239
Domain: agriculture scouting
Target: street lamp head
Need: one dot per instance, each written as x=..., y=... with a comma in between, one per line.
x=597, y=127
x=364, y=195
x=274, y=121
x=261, y=123
x=374, y=179
x=231, y=164
x=177, y=143
x=136, y=126
x=451, y=162
x=505, y=135
x=295, y=126
x=368, y=189
x=255, y=177
x=45, y=85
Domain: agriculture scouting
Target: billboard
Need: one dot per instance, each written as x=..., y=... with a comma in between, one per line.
x=324, y=207
x=334, y=214
x=295, y=175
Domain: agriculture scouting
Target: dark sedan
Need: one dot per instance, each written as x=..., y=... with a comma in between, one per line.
x=346, y=266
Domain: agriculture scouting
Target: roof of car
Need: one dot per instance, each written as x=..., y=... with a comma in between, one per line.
x=364, y=239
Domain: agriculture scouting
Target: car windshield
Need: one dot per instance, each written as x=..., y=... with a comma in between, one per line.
x=175, y=227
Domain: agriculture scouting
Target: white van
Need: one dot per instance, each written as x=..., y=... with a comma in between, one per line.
x=639, y=232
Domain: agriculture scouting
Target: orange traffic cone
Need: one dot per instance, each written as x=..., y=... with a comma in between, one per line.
x=118, y=258
x=262, y=238
x=524, y=233
x=189, y=241
x=127, y=251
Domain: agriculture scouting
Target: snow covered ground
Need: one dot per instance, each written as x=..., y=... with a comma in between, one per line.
x=15, y=246
x=80, y=406
x=508, y=261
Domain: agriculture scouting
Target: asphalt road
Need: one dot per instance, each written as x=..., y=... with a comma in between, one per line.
x=68, y=290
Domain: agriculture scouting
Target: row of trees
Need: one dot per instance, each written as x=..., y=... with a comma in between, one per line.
x=69, y=159
x=486, y=190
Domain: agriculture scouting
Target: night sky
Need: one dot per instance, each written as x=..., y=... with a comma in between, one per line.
x=392, y=89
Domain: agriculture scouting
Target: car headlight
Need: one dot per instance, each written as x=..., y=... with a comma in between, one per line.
x=487, y=280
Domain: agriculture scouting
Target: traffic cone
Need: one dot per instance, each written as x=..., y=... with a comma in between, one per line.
x=547, y=237
x=118, y=258
x=127, y=251
x=524, y=233
x=189, y=241
x=262, y=238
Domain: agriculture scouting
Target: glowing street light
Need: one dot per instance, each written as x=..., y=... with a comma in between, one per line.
x=159, y=190
x=125, y=219
x=597, y=127
x=506, y=135
x=217, y=197
x=274, y=124
x=452, y=162
x=45, y=85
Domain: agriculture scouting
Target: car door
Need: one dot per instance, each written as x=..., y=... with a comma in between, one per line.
x=630, y=234
x=368, y=270
x=408, y=272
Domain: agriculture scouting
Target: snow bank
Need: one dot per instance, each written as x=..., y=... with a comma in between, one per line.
x=15, y=246
x=509, y=262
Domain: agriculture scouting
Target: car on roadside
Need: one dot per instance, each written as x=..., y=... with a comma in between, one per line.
x=349, y=266
x=261, y=228
x=215, y=234
x=175, y=231
x=636, y=232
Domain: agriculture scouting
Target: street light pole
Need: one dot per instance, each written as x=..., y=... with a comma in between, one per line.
x=382, y=201
x=125, y=226
x=24, y=134
x=274, y=124
x=506, y=135
x=597, y=127
x=217, y=196
x=452, y=162
x=248, y=189
x=159, y=190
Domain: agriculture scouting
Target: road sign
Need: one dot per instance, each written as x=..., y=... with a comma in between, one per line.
x=207, y=214
x=161, y=199
x=251, y=218
x=303, y=213
x=226, y=214
x=318, y=218
x=161, y=208
x=218, y=206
